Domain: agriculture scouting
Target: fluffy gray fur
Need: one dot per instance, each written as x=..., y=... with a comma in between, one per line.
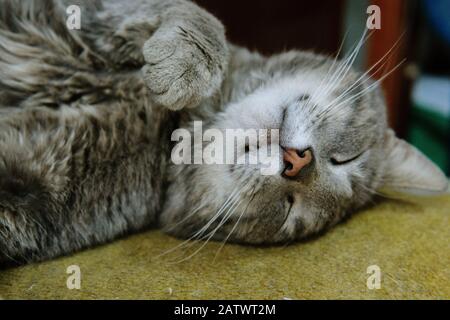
x=86, y=118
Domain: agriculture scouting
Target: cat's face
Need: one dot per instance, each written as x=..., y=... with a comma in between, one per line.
x=335, y=153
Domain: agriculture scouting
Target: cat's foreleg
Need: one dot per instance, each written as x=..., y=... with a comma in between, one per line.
x=187, y=57
x=184, y=50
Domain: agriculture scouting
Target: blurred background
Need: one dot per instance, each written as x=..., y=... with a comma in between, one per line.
x=417, y=92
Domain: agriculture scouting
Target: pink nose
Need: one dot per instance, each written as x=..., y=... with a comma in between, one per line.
x=296, y=160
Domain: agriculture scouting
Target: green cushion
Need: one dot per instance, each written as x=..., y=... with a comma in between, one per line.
x=409, y=242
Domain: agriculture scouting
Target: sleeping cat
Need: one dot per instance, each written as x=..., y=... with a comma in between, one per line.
x=86, y=118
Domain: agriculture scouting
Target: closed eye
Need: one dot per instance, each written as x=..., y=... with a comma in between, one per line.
x=336, y=162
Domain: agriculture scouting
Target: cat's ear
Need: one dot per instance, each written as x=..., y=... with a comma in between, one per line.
x=408, y=171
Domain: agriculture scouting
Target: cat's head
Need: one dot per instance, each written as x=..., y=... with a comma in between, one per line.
x=335, y=153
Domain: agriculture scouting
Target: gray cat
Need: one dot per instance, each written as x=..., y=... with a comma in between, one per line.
x=86, y=118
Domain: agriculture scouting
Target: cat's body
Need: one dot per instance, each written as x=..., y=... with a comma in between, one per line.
x=85, y=133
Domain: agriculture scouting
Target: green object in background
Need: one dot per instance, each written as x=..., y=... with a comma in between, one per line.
x=425, y=133
x=430, y=119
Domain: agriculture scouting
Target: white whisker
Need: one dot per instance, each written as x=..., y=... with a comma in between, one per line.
x=212, y=234
x=346, y=65
x=329, y=72
x=366, y=74
x=224, y=206
x=235, y=225
x=371, y=87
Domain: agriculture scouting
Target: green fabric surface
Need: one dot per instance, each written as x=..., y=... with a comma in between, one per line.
x=409, y=242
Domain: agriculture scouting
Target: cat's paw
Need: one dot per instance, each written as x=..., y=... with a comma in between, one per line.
x=183, y=67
